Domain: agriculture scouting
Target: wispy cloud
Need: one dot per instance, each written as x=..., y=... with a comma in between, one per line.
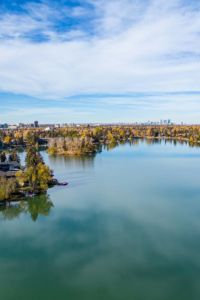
x=102, y=108
x=51, y=50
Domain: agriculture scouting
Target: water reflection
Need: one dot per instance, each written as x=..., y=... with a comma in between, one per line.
x=68, y=162
x=148, y=141
x=159, y=141
x=78, y=162
x=11, y=211
x=35, y=207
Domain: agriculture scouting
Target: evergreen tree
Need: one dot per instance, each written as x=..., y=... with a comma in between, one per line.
x=14, y=157
x=33, y=157
x=3, y=157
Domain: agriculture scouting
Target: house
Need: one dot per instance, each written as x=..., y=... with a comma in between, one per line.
x=13, y=127
x=9, y=169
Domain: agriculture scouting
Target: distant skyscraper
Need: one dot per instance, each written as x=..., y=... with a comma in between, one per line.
x=36, y=124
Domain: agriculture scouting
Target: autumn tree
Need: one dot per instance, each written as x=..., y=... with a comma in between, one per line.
x=37, y=175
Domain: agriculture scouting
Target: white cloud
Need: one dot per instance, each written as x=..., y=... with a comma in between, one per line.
x=138, y=46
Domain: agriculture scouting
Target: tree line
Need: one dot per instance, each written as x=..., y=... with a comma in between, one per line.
x=87, y=140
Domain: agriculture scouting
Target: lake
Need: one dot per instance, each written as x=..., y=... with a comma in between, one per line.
x=126, y=227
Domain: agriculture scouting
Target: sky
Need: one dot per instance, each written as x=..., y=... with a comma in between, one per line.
x=103, y=61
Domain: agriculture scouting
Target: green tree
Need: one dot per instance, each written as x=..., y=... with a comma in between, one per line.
x=2, y=157
x=14, y=156
x=33, y=157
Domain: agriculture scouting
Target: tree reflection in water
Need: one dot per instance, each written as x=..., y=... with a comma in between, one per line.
x=39, y=205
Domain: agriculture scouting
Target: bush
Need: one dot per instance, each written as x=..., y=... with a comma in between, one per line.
x=7, y=188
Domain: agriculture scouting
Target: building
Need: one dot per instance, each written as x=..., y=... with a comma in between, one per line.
x=36, y=124
x=9, y=169
x=165, y=122
x=3, y=126
x=13, y=127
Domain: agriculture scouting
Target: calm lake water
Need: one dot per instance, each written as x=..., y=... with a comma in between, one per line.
x=127, y=227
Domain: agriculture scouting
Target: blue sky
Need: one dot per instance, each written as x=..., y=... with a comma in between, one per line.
x=99, y=60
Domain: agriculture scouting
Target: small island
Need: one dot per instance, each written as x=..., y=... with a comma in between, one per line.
x=73, y=146
x=17, y=181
